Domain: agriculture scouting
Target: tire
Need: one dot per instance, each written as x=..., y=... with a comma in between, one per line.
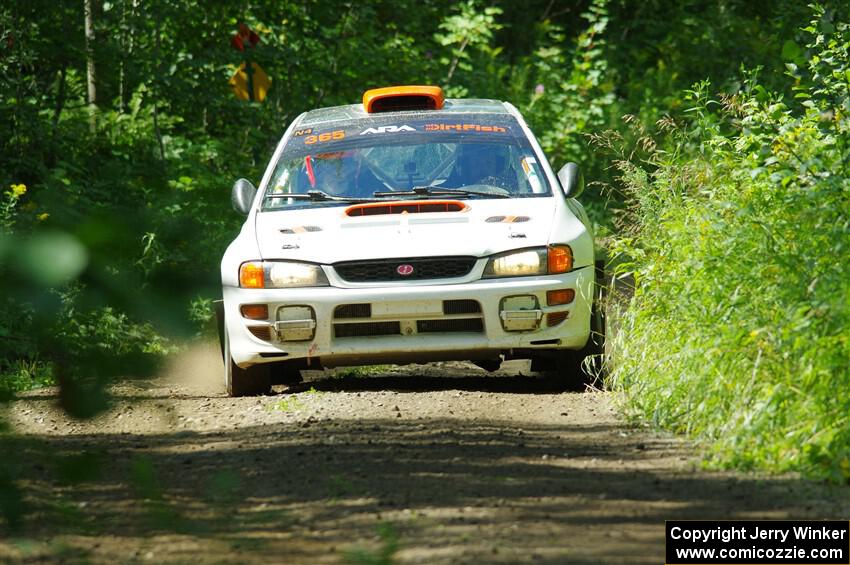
x=252, y=381
x=595, y=346
x=286, y=373
x=568, y=369
x=219, y=324
x=574, y=369
x=584, y=368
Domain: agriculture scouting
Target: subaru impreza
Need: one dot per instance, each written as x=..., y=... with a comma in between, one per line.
x=408, y=228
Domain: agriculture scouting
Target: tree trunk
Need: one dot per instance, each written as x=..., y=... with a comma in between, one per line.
x=91, y=75
x=57, y=112
x=122, y=42
x=158, y=83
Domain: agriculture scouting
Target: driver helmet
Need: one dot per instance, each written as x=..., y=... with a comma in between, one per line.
x=477, y=163
x=333, y=173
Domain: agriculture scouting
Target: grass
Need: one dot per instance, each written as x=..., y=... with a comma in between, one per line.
x=737, y=334
x=25, y=374
x=360, y=372
x=289, y=404
x=384, y=554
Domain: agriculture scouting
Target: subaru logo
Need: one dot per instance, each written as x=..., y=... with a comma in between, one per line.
x=404, y=270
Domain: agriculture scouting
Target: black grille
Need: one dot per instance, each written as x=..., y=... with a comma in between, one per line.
x=444, y=326
x=387, y=269
x=461, y=307
x=353, y=311
x=367, y=329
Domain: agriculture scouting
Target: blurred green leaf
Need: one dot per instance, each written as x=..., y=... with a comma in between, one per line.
x=51, y=259
x=791, y=51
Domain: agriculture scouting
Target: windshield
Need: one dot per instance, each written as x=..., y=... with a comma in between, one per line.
x=476, y=155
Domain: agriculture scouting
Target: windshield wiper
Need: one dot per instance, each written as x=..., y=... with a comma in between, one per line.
x=320, y=196
x=437, y=191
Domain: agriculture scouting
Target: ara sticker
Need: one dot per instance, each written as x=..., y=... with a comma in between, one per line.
x=387, y=129
x=464, y=127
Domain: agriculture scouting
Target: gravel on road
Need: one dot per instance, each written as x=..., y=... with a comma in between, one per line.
x=439, y=463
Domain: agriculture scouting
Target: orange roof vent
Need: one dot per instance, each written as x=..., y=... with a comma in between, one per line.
x=401, y=98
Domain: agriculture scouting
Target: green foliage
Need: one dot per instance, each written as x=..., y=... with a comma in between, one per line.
x=384, y=555
x=574, y=97
x=290, y=404
x=361, y=371
x=7, y=206
x=737, y=333
x=12, y=506
x=575, y=92
x=25, y=373
x=79, y=468
x=160, y=513
x=468, y=33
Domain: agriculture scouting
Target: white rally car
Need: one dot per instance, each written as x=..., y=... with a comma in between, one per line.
x=406, y=229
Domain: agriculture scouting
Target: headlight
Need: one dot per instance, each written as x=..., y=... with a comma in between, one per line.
x=517, y=264
x=525, y=262
x=280, y=274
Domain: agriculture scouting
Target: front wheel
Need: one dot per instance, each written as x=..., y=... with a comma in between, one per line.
x=252, y=381
x=568, y=368
x=584, y=368
x=594, y=350
x=286, y=373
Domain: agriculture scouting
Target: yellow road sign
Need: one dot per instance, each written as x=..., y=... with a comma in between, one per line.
x=239, y=82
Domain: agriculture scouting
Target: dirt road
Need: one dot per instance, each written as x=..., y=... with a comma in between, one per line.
x=422, y=464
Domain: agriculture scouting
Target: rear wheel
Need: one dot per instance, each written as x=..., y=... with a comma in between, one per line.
x=243, y=382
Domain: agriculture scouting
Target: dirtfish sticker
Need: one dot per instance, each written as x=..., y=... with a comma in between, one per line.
x=464, y=127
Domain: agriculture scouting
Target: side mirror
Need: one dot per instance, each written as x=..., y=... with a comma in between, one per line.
x=242, y=196
x=571, y=179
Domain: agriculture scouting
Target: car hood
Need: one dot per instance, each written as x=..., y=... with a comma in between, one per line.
x=327, y=234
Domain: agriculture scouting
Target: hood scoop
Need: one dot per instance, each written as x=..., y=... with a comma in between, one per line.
x=410, y=207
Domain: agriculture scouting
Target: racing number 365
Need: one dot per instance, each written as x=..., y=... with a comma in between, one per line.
x=329, y=136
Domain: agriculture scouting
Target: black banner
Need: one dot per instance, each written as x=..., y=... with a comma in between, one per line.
x=767, y=542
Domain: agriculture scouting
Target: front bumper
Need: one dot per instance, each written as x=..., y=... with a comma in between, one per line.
x=409, y=323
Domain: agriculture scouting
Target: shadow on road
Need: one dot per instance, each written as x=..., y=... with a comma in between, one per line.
x=411, y=381
x=450, y=490
x=416, y=383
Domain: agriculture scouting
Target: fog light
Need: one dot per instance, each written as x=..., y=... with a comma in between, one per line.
x=558, y=297
x=521, y=302
x=520, y=313
x=295, y=323
x=254, y=311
